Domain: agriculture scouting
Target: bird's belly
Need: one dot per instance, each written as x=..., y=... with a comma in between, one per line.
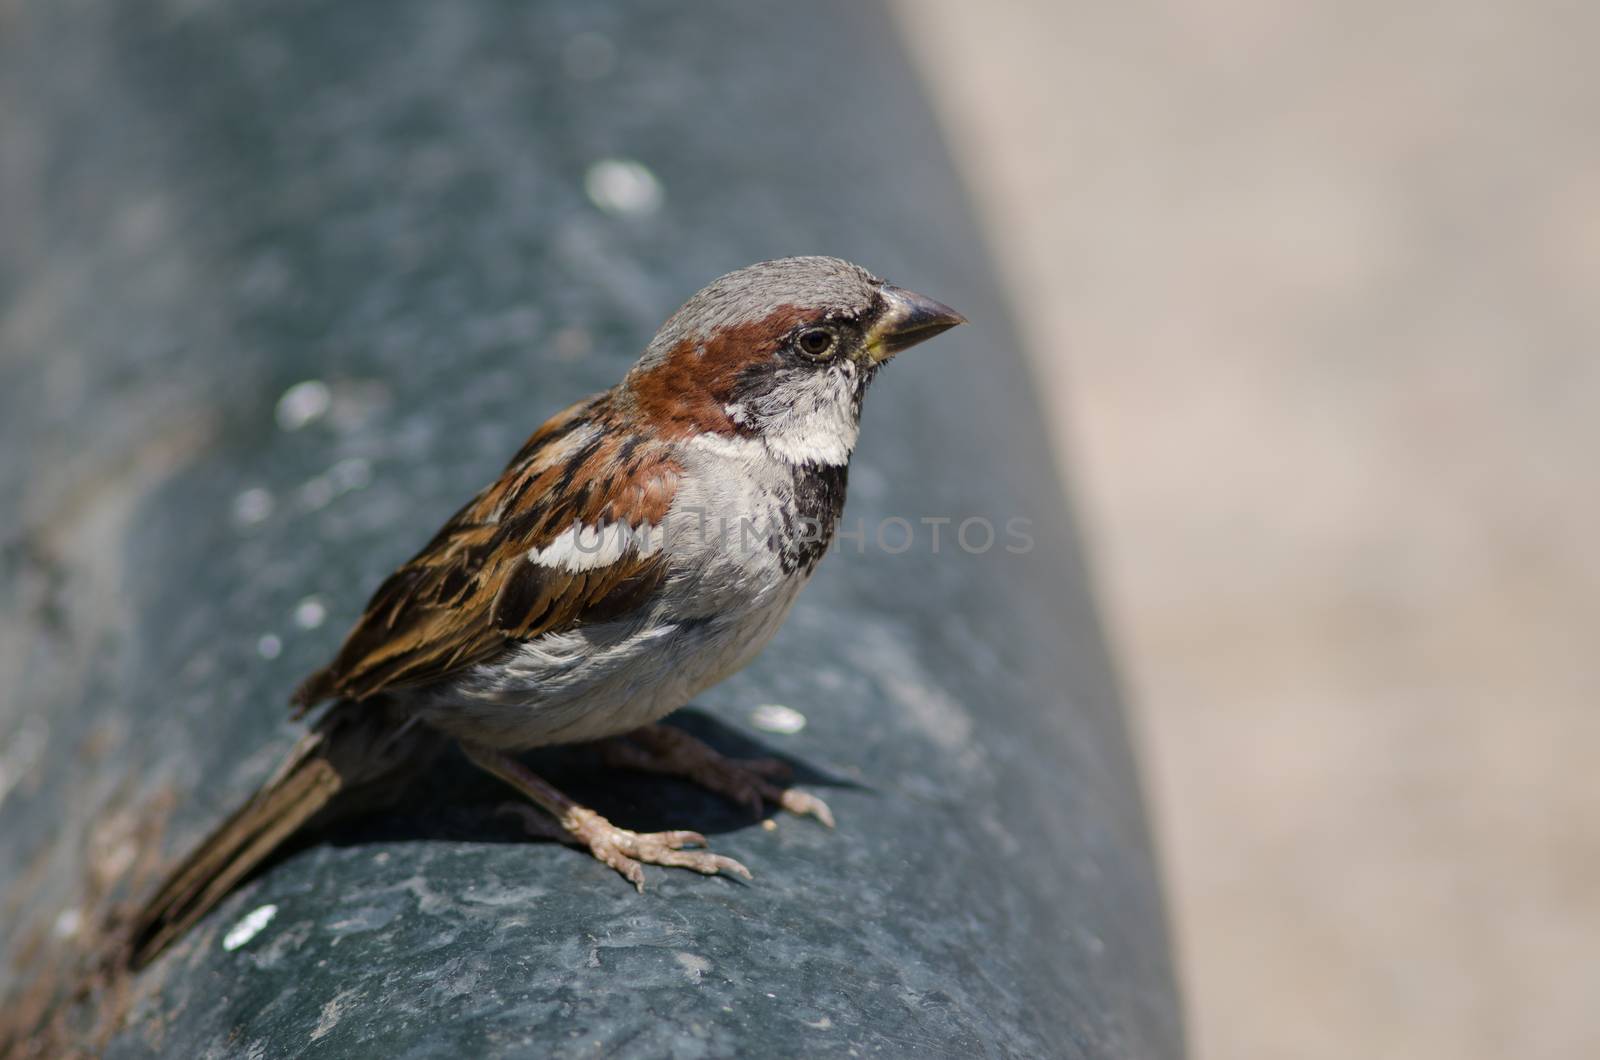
x=604, y=680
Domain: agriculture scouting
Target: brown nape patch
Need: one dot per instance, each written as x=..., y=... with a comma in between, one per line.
x=687, y=392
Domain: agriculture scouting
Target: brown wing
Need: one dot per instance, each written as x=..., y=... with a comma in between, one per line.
x=474, y=589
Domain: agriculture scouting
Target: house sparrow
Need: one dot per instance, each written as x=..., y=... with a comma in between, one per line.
x=643, y=545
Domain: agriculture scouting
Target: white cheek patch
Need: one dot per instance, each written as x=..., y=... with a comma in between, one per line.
x=813, y=419
x=802, y=446
x=582, y=548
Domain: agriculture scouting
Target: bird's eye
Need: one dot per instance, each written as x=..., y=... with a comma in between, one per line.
x=816, y=342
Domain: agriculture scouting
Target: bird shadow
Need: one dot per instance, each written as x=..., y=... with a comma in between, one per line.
x=454, y=801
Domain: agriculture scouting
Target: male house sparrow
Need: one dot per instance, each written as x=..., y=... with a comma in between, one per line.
x=644, y=544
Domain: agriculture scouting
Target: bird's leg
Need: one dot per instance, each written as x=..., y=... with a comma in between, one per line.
x=752, y=782
x=618, y=847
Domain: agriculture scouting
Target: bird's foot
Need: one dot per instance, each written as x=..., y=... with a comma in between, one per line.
x=624, y=850
x=751, y=782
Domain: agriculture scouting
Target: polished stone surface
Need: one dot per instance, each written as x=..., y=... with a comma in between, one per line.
x=283, y=284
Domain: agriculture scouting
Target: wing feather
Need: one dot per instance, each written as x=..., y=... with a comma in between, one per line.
x=479, y=585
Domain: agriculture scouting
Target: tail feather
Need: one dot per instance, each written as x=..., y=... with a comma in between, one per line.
x=352, y=745
x=237, y=846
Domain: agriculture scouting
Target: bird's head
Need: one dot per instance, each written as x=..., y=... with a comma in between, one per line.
x=781, y=351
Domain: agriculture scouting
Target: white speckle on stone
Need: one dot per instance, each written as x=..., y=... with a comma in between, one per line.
x=694, y=966
x=248, y=927
x=623, y=187
x=775, y=717
x=303, y=403
x=354, y=473
x=310, y=613
x=269, y=645
x=316, y=493
x=588, y=57
x=332, y=1012
x=252, y=506
x=68, y=923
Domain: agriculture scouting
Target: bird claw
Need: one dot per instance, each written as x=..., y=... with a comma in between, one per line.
x=626, y=851
x=750, y=782
x=804, y=804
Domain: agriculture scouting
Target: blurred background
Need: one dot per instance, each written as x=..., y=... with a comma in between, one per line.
x=1314, y=288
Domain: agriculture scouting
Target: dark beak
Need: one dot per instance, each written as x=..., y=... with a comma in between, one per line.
x=907, y=319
